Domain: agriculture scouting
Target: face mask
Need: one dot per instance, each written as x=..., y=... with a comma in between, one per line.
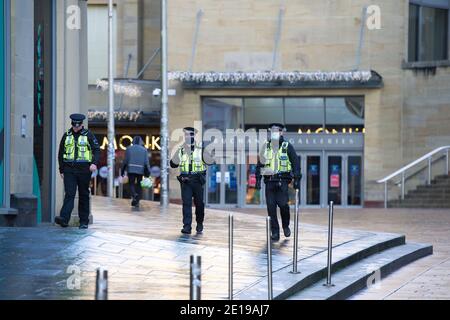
x=275, y=136
x=189, y=140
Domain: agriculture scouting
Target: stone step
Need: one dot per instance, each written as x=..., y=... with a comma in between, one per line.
x=442, y=177
x=314, y=268
x=424, y=205
x=421, y=189
x=431, y=195
x=364, y=273
x=441, y=182
x=433, y=186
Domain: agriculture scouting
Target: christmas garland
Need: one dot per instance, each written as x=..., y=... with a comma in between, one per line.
x=270, y=76
x=128, y=89
x=118, y=115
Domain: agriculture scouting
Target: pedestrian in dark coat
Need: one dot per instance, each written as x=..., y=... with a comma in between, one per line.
x=137, y=165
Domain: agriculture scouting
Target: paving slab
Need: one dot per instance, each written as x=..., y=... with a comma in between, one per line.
x=146, y=255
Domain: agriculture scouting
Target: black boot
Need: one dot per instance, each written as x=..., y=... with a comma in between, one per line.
x=199, y=228
x=287, y=232
x=134, y=202
x=186, y=230
x=59, y=220
x=275, y=235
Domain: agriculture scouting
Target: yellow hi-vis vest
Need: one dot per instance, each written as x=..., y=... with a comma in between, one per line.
x=198, y=165
x=83, y=148
x=278, y=164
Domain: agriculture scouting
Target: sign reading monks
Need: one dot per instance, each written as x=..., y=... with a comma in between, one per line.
x=150, y=142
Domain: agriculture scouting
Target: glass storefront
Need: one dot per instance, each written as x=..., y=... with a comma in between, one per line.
x=312, y=176
x=223, y=178
x=137, y=113
x=42, y=129
x=2, y=95
x=327, y=133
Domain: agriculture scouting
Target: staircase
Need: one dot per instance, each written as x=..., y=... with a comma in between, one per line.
x=436, y=195
x=356, y=265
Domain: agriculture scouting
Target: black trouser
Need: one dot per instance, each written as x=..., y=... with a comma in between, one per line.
x=135, y=185
x=72, y=181
x=189, y=190
x=277, y=195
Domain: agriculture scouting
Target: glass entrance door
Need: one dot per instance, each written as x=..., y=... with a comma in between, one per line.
x=311, y=168
x=344, y=179
x=223, y=180
x=354, y=180
x=334, y=179
x=222, y=185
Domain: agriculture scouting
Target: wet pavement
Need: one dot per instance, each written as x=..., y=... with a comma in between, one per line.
x=145, y=254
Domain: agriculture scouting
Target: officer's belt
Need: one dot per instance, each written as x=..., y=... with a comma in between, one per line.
x=192, y=173
x=277, y=176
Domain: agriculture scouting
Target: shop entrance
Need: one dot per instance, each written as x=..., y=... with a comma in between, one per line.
x=331, y=176
x=222, y=185
x=326, y=132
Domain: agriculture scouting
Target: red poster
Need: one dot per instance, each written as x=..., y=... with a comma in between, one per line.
x=335, y=181
x=252, y=180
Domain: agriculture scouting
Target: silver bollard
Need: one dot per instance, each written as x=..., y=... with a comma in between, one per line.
x=120, y=190
x=101, y=287
x=296, y=218
x=230, y=256
x=196, y=277
x=269, y=260
x=330, y=243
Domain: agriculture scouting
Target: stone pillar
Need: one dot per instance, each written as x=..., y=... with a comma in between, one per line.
x=72, y=81
x=22, y=114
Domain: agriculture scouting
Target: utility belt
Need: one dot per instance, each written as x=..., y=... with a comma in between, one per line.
x=285, y=176
x=192, y=177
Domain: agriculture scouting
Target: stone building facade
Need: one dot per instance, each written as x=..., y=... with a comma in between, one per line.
x=404, y=118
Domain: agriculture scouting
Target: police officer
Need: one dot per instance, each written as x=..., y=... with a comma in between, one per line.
x=78, y=157
x=278, y=164
x=192, y=178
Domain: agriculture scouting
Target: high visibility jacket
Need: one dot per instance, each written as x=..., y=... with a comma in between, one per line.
x=193, y=162
x=278, y=163
x=81, y=147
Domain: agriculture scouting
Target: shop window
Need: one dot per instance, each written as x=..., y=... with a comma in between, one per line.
x=428, y=32
x=344, y=115
x=222, y=113
x=304, y=114
x=260, y=112
x=2, y=94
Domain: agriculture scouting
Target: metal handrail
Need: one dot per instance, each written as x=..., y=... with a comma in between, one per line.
x=414, y=163
x=428, y=157
x=412, y=174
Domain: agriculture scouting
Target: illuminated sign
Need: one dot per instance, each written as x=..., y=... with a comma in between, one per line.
x=151, y=143
x=333, y=131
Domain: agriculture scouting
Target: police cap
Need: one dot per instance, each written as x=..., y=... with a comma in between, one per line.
x=77, y=117
x=279, y=126
x=190, y=130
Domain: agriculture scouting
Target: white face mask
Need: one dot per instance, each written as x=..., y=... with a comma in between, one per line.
x=189, y=139
x=275, y=135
